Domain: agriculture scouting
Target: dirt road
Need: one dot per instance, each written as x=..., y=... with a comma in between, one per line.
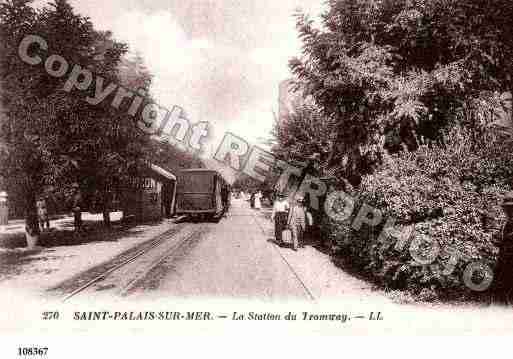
x=236, y=258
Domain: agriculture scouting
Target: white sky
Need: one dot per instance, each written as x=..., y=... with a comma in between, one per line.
x=220, y=60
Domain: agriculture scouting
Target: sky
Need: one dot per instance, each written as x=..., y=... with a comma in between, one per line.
x=220, y=60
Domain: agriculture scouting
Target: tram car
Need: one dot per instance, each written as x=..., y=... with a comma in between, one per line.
x=202, y=193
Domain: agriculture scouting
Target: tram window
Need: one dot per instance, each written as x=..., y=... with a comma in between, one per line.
x=196, y=182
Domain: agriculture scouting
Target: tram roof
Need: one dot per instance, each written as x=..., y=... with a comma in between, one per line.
x=203, y=170
x=199, y=170
x=162, y=172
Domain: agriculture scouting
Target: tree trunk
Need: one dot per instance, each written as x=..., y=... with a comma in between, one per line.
x=106, y=217
x=106, y=207
x=32, y=231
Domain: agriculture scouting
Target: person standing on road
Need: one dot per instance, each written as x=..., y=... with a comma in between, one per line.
x=503, y=282
x=77, y=207
x=279, y=216
x=258, y=200
x=42, y=213
x=297, y=221
x=252, y=199
x=225, y=198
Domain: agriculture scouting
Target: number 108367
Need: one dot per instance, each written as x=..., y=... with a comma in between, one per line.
x=32, y=351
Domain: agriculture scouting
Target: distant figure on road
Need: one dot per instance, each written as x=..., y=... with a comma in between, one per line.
x=503, y=281
x=297, y=221
x=42, y=213
x=77, y=207
x=258, y=200
x=225, y=199
x=279, y=216
x=252, y=200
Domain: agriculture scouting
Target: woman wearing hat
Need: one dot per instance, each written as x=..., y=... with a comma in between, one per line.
x=258, y=200
x=503, y=282
x=279, y=215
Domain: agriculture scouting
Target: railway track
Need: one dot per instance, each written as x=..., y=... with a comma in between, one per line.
x=125, y=275
x=307, y=291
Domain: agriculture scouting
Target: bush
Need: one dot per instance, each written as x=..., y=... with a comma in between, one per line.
x=450, y=193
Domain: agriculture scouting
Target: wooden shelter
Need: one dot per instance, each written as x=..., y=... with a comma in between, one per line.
x=151, y=196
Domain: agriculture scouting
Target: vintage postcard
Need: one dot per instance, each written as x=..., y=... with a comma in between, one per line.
x=219, y=167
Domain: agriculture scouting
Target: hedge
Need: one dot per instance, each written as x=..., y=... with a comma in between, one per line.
x=450, y=193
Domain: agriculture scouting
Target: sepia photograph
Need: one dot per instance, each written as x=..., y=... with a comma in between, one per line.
x=302, y=166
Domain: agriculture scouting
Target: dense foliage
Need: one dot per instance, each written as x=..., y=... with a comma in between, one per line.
x=52, y=138
x=403, y=68
x=448, y=193
x=249, y=184
x=408, y=94
x=303, y=133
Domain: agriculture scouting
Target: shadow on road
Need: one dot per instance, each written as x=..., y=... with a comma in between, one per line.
x=92, y=232
x=191, y=219
x=15, y=256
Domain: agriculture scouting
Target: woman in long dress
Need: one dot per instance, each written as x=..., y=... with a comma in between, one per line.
x=258, y=202
x=279, y=216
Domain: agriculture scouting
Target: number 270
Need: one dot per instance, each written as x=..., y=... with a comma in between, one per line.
x=50, y=315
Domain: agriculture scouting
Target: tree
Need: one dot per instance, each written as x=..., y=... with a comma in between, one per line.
x=302, y=134
x=170, y=157
x=406, y=67
x=245, y=183
x=119, y=149
x=21, y=157
x=54, y=137
x=133, y=72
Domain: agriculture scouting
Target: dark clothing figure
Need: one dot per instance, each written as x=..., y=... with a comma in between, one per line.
x=77, y=210
x=503, y=280
x=77, y=217
x=224, y=198
x=107, y=201
x=280, y=222
x=252, y=200
x=502, y=286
